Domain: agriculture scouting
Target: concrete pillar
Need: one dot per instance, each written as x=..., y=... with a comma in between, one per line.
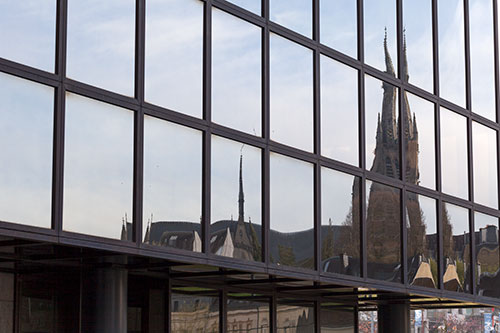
x=394, y=318
x=104, y=300
x=6, y=302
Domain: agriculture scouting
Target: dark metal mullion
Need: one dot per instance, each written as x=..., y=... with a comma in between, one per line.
x=207, y=135
x=317, y=138
x=497, y=94
x=139, y=122
x=362, y=143
x=223, y=310
x=402, y=147
x=440, y=256
x=468, y=92
x=274, y=308
x=317, y=316
x=168, y=306
x=266, y=131
x=59, y=116
x=472, y=242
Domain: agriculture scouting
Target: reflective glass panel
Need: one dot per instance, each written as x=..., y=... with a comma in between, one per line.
x=482, y=58
x=236, y=200
x=174, y=55
x=487, y=267
x=422, y=241
x=380, y=35
x=381, y=123
x=451, y=51
x=334, y=319
x=194, y=313
x=293, y=14
x=339, y=27
x=294, y=317
x=454, y=168
x=247, y=316
x=340, y=237
x=383, y=223
x=291, y=237
x=98, y=168
x=291, y=93
x=236, y=73
x=484, y=149
x=456, y=248
x=172, y=185
x=29, y=30
x=417, y=20
x=101, y=44
x=339, y=111
x=420, y=141
x=251, y=5
x=26, y=122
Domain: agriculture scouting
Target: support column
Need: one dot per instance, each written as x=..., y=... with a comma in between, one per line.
x=394, y=318
x=104, y=300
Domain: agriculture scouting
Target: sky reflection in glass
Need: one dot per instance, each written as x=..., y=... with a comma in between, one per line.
x=339, y=111
x=339, y=25
x=29, y=29
x=26, y=121
x=451, y=51
x=101, y=44
x=98, y=167
x=291, y=93
x=417, y=22
x=236, y=73
x=172, y=176
x=293, y=14
x=174, y=55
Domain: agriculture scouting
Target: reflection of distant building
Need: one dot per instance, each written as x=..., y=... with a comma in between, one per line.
x=383, y=208
x=487, y=261
x=237, y=239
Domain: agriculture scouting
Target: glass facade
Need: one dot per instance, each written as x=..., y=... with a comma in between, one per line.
x=334, y=139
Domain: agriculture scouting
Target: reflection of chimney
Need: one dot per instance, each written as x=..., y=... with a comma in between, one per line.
x=241, y=195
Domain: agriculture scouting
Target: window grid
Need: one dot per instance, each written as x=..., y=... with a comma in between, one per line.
x=141, y=108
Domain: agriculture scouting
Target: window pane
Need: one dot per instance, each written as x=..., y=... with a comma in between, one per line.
x=422, y=251
x=236, y=200
x=251, y=5
x=194, y=313
x=482, y=58
x=456, y=248
x=291, y=93
x=174, y=55
x=26, y=122
x=98, y=168
x=383, y=223
x=487, y=258
x=292, y=229
x=236, y=73
x=247, y=316
x=172, y=185
x=101, y=44
x=380, y=27
x=451, y=51
x=339, y=111
x=292, y=317
x=340, y=237
x=29, y=30
x=484, y=140
x=336, y=320
x=454, y=169
x=381, y=122
x=420, y=145
x=293, y=14
x=339, y=28
x=417, y=20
